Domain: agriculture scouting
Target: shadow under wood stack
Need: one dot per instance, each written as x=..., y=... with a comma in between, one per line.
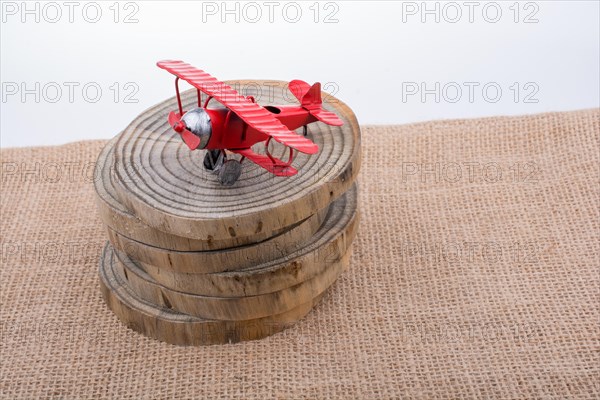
x=191, y=262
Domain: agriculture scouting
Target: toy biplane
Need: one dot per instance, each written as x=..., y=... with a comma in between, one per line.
x=243, y=123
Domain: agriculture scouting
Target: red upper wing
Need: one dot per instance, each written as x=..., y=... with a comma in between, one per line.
x=253, y=114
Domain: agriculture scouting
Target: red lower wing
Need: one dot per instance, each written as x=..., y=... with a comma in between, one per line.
x=274, y=166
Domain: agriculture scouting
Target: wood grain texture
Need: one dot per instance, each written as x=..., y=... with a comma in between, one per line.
x=230, y=308
x=180, y=329
x=230, y=259
x=330, y=242
x=121, y=220
x=166, y=186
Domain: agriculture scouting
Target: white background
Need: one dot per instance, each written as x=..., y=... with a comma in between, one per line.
x=375, y=55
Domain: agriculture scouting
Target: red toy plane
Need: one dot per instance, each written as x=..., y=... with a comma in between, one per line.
x=244, y=123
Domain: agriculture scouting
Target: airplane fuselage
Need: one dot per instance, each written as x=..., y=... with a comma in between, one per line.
x=230, y=132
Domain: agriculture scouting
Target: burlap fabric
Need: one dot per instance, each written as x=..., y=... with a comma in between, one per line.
x=475, y=274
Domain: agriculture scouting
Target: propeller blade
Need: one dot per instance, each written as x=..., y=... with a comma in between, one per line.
x=191, y=140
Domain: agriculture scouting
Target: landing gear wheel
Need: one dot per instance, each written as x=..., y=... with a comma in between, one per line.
x=213, y=160
x=230, y=172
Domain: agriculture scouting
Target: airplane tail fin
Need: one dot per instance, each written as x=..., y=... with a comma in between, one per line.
x=310, y=98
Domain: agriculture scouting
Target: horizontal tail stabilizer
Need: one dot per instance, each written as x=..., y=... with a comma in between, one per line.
x=327, y=117
x=298, y=88
x=310, y=98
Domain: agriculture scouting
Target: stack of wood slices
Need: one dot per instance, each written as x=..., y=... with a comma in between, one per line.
x=191, y=261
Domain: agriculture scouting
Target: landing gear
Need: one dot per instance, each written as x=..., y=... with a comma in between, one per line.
x=305, y=130
x=213, y=160
x=230, y=172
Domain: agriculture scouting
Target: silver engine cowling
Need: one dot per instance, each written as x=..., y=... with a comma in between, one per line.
x=197, y=121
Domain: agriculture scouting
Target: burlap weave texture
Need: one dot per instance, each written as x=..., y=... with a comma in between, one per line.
x=475, y=273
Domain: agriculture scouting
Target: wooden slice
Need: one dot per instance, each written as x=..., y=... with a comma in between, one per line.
x=167, y=187
x=231, y=259
x=120, y=220
x=176, y=328
x=230, y=308
x=330, y=242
